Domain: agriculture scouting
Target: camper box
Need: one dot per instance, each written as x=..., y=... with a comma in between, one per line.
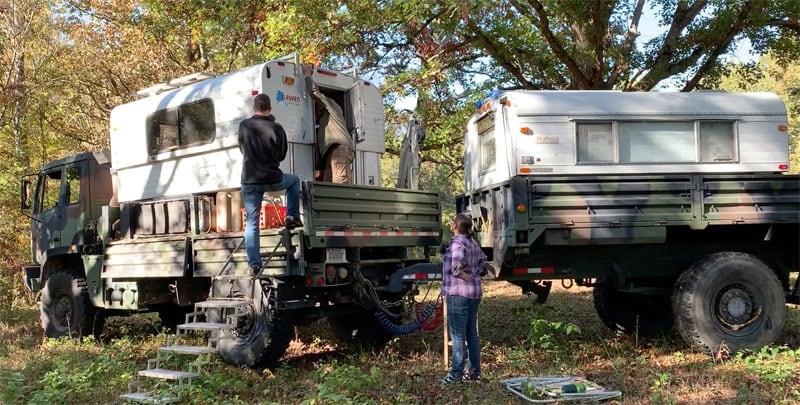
x=182, y=138
x=611, y=132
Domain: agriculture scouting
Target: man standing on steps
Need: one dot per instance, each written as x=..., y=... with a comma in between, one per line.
x=333, y=140
x=263, y=144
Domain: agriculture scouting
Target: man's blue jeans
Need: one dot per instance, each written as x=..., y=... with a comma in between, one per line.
x=462, y=319
x=252, y=196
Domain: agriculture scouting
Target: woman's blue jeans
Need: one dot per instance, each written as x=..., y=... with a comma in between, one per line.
x=252, y=196
x=462, y=319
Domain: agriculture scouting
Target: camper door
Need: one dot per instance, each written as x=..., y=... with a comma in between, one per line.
x=366, y=109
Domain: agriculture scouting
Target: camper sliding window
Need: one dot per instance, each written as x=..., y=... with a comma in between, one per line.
x=656, y=142
x=179, y=127
x=488, y=152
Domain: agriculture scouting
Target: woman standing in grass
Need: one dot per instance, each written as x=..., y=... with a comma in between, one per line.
x=461, y=286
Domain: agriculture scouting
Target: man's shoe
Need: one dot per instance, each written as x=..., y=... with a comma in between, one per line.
x=255, y=270
x=292, y=222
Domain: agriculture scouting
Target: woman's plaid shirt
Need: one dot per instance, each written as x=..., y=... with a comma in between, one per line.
x=463, y=255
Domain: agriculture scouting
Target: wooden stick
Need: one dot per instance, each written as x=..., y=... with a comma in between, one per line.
x=446, y=335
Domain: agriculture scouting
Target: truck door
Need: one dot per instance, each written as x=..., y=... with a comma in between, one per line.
x=58, y=188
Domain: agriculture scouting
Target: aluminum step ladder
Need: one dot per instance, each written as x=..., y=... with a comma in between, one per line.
x=181, y=360
x=170, y=369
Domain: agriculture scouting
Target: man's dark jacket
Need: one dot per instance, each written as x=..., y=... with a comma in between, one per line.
x=263, y=144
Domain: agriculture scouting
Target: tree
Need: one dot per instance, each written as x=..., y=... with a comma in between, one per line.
x=25, y=53
x=67, y=63
x=772, y=75
x=447, y=53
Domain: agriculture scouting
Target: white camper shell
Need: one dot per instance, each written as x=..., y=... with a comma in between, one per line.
x=184, y=140
x=610, y=132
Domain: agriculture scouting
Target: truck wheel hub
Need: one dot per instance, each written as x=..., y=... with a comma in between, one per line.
x=245, y=324
x=736, y=305
x=63, y=311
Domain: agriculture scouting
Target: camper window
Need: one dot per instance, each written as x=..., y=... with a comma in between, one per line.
x=646, y=142
x=655, y=142
x=595, y=143
x=717, y=142
x=180, y=127
x=488, y=153
x=486, y=138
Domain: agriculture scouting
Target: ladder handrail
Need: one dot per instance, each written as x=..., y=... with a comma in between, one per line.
x=230, y=257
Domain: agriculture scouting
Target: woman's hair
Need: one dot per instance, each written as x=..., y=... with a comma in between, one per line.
x=463, y=224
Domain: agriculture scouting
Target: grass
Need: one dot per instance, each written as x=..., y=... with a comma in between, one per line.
x=519, y=338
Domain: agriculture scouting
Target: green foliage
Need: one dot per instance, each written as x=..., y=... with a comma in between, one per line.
x=773, y=363
x=548, y=335
x=405, y=372
x=12, y=384
x=78, y=376
x=214, y=387
x=773, y=75
x=658, y=387
x=345, y=384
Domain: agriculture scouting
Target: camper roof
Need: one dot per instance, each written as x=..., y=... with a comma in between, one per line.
x=611, y=103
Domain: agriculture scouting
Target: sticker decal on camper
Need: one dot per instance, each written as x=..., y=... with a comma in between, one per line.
x=287, y=99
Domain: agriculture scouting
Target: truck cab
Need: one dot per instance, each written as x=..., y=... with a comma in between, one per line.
x=69, y=196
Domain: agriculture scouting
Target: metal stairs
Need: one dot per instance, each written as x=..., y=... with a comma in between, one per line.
x=174, y=368
x=172, y=371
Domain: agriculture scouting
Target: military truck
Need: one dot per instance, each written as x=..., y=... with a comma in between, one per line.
x=676, y=207
x=156, y=223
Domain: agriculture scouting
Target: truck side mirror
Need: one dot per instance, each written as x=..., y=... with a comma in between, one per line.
x=25, y=192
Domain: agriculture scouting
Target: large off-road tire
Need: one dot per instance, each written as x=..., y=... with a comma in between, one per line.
x=729, y=299
x=359, y=329
x=624, y=311
x=259, y=339
x=66, y=309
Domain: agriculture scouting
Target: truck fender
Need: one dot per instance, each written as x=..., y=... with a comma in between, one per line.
x=53, y=259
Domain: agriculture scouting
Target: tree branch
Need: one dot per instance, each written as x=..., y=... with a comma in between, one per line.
x=622, y=64
x=791, y=24
x=495, y=51
x=663, y=65
x=541, y=21
x=600, y=18
x=749, y=8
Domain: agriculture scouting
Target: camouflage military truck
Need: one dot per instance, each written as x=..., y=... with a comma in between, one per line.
x=675, y=207
x=156, y=223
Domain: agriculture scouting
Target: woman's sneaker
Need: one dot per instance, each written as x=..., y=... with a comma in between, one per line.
x=473, y=375
x=449, y=380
